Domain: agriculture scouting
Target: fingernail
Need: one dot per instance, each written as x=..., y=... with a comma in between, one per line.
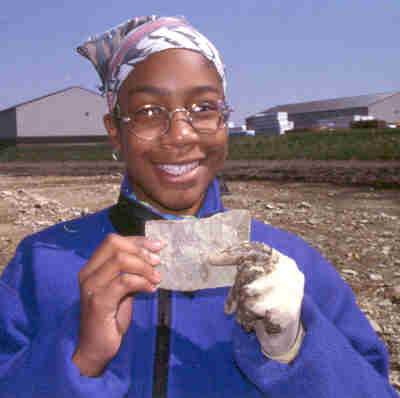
x=154, y=288
x=158, y=243
x=154, y=258
x=157, y=276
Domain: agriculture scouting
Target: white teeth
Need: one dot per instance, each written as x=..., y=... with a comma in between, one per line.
x=178, y=169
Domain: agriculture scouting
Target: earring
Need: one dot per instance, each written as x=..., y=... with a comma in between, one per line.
x=115, y=155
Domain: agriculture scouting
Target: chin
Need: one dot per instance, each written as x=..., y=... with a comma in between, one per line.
x=182, y=205
x=179, y=207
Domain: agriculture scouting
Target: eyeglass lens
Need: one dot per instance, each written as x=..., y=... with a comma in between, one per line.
x=155, y=121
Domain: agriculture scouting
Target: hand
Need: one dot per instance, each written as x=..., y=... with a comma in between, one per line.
x=119, y=268
x=276, y=298
x=266, y=296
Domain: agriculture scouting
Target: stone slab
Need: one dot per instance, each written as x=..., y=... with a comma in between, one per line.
x=184, y=265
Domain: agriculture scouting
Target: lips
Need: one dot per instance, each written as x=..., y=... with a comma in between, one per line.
x=178, y=169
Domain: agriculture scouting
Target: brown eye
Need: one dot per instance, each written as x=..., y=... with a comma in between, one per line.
x=149, y=113
x=204, y=107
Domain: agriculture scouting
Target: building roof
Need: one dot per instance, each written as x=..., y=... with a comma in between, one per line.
x=48, y=95
x=332, y=104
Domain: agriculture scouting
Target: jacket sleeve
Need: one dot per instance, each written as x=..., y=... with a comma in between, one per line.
x=36, y=360
x=340, y=356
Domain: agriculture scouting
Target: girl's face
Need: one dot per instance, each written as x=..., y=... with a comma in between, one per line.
x=171, y=172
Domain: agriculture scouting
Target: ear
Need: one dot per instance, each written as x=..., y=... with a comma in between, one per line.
x=113, y=131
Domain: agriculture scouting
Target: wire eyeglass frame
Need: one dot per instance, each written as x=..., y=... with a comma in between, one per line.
x=222, y=108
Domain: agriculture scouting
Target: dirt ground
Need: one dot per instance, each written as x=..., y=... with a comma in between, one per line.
x=355, y=226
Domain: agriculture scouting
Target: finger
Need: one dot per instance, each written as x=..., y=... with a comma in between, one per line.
x=131, y=244
x=121, y=263
x=259, y=305
x=143, y=247
x=230, y=305
x=107, y=298
x=223, y=259
x=246, y=318
x=261, y=286
x=276, y=300
x=275, y=282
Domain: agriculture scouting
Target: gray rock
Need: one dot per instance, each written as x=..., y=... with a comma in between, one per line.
x=305, y=205
x=349, y=271
x=385, y=303
x=184, y=261
x=376, y=277
x=393, y=294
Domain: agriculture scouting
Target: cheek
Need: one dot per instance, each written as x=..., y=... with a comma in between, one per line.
x=222, y=146
x=132, y=148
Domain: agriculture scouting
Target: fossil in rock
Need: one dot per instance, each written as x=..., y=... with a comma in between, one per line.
x=184, y=265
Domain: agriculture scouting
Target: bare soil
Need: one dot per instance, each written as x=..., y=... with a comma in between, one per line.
x=331, y=205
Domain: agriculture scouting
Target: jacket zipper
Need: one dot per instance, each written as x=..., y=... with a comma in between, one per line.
x=161, y=357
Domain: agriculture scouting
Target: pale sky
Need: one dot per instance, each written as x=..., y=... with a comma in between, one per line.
x=275, y=52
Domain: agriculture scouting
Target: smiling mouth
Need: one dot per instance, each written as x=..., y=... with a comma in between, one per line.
x=178, y=169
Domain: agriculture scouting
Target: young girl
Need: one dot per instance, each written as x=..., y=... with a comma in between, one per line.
x=80, y=311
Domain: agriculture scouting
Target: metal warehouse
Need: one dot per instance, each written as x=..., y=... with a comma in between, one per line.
x=70, y=115
x=334, y=113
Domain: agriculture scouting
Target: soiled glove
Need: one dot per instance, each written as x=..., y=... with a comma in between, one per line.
x=267, y=296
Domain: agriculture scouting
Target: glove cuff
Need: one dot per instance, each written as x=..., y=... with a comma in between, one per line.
x=294, y=350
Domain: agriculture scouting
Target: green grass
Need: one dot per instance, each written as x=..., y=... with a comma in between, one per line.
x=7, y=153
x=360, y=144
x=41, y=152
x=363, y=144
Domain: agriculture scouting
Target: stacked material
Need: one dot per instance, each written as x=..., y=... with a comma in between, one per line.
x=361, y=118
x=271, y=123
x=339, y=122
x=237, y=130
x=242, y=130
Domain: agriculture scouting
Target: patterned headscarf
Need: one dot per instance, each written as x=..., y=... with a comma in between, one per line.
x=115, y=52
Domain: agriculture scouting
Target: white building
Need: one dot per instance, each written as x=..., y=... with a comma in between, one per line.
x=74, y=114
x=334, y=113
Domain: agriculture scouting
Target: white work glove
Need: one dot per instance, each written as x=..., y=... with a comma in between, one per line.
x=267, y=296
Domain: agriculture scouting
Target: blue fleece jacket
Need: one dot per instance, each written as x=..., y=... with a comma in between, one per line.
x=210, y=354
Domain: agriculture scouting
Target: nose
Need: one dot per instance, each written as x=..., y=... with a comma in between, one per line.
x=180, y=131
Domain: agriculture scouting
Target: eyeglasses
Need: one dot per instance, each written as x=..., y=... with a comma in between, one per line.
x=153, y=121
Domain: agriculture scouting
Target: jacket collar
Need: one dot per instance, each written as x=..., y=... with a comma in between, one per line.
x=128, y=216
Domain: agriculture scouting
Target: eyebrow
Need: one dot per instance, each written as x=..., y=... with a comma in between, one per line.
x=164, y=92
